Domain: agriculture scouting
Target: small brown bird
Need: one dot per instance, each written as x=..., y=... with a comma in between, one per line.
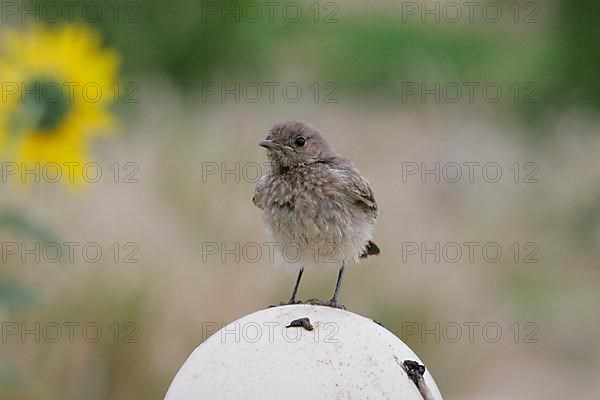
x=316, y=205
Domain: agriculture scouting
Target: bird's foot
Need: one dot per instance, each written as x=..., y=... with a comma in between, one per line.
x=286, y=303
x=329, y=303
x=290, y=302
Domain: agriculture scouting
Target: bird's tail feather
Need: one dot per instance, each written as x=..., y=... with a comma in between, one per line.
x=371, y=249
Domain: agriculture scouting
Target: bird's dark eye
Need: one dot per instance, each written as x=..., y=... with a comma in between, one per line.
x=300, y=141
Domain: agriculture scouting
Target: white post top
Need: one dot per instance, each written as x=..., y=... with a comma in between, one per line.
x=303, y=352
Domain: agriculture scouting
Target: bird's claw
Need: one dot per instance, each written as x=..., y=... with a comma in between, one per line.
x=313, y=302
x=290, y=302
x=329, y=303
x=286, y=303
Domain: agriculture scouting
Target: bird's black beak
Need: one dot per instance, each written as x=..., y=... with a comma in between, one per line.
x=272, y=145
x=268, y=144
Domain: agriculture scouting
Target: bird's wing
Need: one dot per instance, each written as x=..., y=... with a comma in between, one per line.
x=361, y=190
x=258, y=191
x=355, y=186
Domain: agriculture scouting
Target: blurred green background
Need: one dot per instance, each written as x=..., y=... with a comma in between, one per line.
x=367, y=53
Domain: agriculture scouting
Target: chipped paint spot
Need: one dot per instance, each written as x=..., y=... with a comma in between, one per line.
x=301, y=323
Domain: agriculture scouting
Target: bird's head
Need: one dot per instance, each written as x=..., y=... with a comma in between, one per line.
x=294, y=143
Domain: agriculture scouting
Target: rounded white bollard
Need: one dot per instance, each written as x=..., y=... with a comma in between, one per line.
x=303, y=352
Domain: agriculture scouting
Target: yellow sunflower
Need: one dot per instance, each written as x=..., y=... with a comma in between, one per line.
x=56, y=88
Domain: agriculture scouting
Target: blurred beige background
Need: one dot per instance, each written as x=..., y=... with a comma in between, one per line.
x=546, y=310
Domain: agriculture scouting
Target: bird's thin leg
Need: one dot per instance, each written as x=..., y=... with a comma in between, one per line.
x=293, y=298
x=338, y=284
